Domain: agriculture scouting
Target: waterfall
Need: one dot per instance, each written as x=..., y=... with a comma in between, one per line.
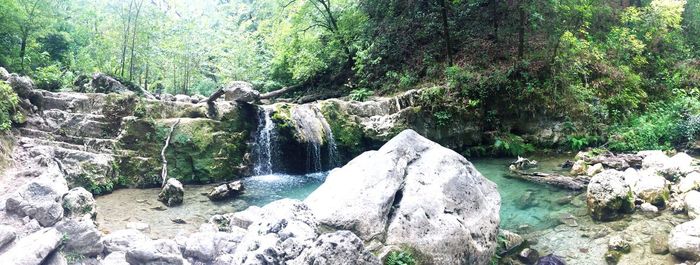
x=263, y=150
x=333, y=156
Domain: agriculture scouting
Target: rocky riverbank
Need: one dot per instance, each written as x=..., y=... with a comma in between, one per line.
x=403, y=212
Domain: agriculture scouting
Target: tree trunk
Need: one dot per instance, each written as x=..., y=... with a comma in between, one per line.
x=23, y=51
x=521, y=31
x=279, y=92
x=145, y=80
x=126, y=38
x=494, y=19
x=446, y=31
x=133, y=41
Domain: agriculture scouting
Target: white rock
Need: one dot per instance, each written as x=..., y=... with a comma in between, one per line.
x=652, y=188
x=594, y=169
x=689, y=182
x=155, y=252
x=414, y=192
x=648, y=208
x=579, y=167
x=32, y=249
x=654, y=159
x=143, y=227
x=684, y=240
x=692, y=204
x=608, y=196
x=122, y=240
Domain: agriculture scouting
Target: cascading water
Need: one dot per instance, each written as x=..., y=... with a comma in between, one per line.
x=333, y=156
x=264, y=151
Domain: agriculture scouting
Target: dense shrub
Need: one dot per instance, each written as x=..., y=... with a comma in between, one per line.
x=662, y=126
x=8, y=107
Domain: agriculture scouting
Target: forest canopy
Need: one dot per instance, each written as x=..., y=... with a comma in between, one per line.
x=598, y=61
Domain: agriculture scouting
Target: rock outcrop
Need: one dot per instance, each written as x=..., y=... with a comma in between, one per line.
x=413, y=192
x=33, y=249
x=684, y=240
x=82, y=237
x=609, y=196
x=39, y=199
x=692, y=204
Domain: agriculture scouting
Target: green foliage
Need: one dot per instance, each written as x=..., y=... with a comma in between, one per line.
x=577, y=143
x=8, y=107
x=50, y=78
x=511, y=145
x=662, y=126
x=400, y=258
x=360, y=94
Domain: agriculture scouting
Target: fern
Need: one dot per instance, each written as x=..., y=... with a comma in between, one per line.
x=400, y=258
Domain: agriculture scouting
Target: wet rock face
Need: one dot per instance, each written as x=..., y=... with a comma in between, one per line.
x=609, y=196
x=413, y=192
x=684, y=240
x=172, y=193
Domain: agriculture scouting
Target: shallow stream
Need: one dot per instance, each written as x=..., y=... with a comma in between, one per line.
x=525, y=205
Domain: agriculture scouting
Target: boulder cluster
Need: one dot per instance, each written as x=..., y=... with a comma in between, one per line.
x=649, y=181
x=411, y=195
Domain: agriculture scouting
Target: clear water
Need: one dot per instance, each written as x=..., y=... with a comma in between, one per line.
x=525, y=204
x=117, y=209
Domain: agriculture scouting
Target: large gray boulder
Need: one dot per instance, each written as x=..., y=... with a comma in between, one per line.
x=241, y=92
x=122, y=240
x=285, y=228
x=689, y=182
x=103, y=83
x=79, y=203
x=4, y=74
x=417, y=193
x=684, y=240
x=206, y=246
x=339, y=247
x=609, y=196
x=22, y=85
x=155, y=252
x=652, y=188
x=172, y=193
x=39, y=199
x=32, y=249
x=82, y=237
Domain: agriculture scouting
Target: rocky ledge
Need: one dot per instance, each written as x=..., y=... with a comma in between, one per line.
x=422, y=197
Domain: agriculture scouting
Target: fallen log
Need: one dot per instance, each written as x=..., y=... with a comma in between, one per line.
x=560, y=181
x=279, y=92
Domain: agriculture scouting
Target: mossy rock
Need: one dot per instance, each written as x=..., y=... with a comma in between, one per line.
x=350, y=138
x=118, y=106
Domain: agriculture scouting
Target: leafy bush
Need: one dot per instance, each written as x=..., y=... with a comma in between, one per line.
x=360, y=94
x=662, y=126
x=577, y=143
x=511, y=145
x=400, y=258
x=49, y=78
x=8, y=107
